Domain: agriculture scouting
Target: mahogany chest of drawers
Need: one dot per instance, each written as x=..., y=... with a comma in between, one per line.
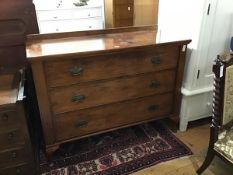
x=92, y=82
x=16, y=156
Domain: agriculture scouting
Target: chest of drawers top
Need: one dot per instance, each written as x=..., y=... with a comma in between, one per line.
x=46, y=47
x=9, y=89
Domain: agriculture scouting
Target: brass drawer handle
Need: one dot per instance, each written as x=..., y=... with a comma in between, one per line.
x=81, y=124
x=18, y=171
x=156, y=60
x=78, y=98
x=154, y=84
x=14, y=155
x=153, y=108
x=4, y=117
x=75, y=71
x=10, y=136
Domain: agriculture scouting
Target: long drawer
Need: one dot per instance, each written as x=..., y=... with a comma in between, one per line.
x=20, y=169
x=89, y=121
x=13, y=157
x=11, y=138
x=71, y=25
x=54, y=15
x=77, y=97
x=62, y=73
x=8, y=118
x=48, y=15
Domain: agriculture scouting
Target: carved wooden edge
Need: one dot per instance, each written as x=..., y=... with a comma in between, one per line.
x=179, y=79
x=91, y=32
x=43, y=102
x=217, y=93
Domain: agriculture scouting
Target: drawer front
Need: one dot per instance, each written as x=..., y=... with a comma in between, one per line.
x=11, y=158
x=94, y=94
x=54, y=15
x=8, y=118
x=88, y=121
x=70, y=25
x=11, y=138
x=22, y=169
x=62, y=73
x=69, y=14
x=49, y=27
x=87, y=13
x=88, y=24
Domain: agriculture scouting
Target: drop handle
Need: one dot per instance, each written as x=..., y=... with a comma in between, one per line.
x=5, y=117
x=14, y=155
x=75, y=71
x=10, y=136
x=154, y=84
x=81, y=124
x=153, y=108
x=18, y=171
x=156, y=60
x=78, y=98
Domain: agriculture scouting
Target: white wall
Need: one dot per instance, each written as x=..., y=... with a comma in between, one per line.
x=181, y=17
x=210, y=34
x=221, y=35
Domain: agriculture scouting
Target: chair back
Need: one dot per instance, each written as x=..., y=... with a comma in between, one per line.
x=223, y=93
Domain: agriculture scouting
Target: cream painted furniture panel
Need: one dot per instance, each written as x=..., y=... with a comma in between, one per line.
x=70, y=25
x=61, y=16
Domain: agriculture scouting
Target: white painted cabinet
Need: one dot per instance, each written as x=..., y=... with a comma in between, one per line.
x=63, y=16
x=209, y=24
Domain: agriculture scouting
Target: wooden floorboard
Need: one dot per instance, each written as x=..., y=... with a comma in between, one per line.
x=196, y=138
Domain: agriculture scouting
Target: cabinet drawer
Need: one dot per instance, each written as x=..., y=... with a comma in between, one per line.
x=88, y=24
x=62, y=73
x=54, y=15
x=70, y=25
x=8, y=119
x=87, y=13
x=94, y=94
x=22, y=169
x=89, y=121
x=13, y=157
x=11, y=138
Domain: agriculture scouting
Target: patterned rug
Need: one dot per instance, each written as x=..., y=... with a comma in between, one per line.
x=115, y=153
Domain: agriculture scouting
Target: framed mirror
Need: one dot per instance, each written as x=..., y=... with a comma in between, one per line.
x=82, y=15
